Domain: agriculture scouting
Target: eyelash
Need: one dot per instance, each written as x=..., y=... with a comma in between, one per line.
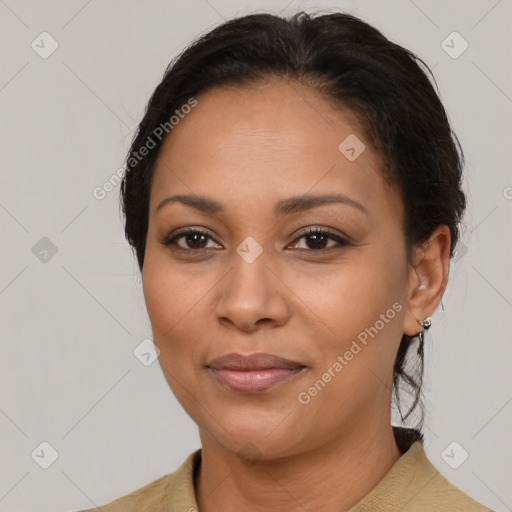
x=173, y=237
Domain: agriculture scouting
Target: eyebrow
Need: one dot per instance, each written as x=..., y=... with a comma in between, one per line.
x=283, y=207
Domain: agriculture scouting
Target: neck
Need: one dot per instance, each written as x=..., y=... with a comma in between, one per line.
x=352, y=465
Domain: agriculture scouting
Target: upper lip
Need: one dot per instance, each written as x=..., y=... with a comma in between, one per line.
x=259, y=361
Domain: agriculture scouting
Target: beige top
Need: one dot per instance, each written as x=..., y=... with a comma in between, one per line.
x=412, y=484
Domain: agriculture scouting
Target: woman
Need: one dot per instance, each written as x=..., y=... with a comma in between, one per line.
x=293, y=199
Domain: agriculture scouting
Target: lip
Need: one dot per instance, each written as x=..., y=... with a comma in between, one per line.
x=257, y=361
x=254, y=373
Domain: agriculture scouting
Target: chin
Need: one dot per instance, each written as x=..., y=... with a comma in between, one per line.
x=256, y=437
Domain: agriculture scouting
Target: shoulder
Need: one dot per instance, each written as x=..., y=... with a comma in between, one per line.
x=436, y=492
x=147, y=499
x=414, y=484
x=440, y=494
x=170, y=492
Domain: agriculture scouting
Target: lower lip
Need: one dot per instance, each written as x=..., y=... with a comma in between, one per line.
x=254, y=381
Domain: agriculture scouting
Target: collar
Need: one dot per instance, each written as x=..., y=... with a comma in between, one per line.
x=406, y=478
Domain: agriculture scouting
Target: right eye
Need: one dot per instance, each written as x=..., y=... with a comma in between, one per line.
x=194, y=240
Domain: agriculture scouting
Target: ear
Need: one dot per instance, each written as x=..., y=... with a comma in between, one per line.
x=428, y=278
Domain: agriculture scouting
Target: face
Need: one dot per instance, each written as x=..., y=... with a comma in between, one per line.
x=321, y=283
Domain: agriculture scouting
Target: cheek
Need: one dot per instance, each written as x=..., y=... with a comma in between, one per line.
x=358, y=308
x=167, y=304
x=172, y=306
x=352, y=297
x=176, y=299
x=168, y=291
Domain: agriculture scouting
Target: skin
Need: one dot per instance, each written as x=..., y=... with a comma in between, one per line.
x=249, y=147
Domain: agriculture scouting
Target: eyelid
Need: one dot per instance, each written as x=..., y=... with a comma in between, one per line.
x=331, y=232
x=334, y=235
x=173, y=235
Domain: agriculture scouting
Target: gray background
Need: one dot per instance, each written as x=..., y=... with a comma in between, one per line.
x=71, y=320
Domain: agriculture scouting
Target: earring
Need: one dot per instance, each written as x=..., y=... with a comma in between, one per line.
x=425, y=324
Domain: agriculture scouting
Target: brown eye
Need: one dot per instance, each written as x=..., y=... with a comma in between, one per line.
x=193, y=239
x=316, y=239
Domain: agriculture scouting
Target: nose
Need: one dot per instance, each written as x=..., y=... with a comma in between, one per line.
x=252, y=296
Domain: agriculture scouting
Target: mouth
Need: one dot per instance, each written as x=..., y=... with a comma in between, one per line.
x=254, y=373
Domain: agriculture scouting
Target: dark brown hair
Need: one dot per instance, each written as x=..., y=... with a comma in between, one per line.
x=383, y=84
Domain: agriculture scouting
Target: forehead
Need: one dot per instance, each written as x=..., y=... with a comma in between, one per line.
x=267, y=140
x=275, y=113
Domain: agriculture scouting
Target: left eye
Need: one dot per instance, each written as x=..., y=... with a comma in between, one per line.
x=319, y=237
